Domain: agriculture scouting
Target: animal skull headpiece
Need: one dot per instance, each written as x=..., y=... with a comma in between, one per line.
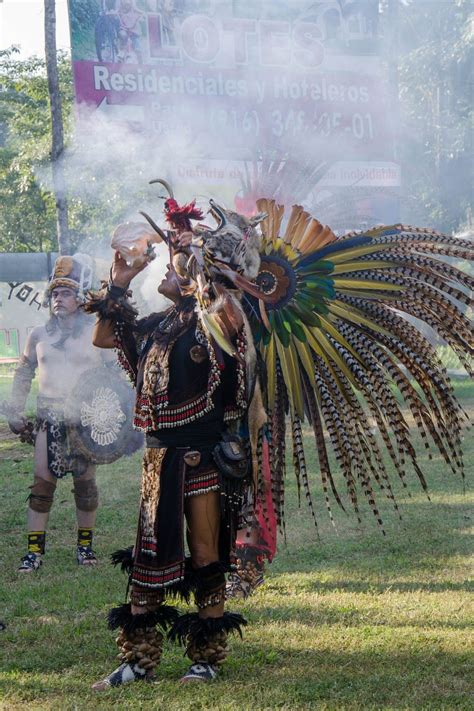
x=230, y=249
x=235, y=241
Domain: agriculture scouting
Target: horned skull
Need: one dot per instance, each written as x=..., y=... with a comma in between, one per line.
x=235, y=241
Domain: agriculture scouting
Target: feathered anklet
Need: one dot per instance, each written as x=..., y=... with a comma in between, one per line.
x=165, y=616
x=205, y=639
x=202, y=629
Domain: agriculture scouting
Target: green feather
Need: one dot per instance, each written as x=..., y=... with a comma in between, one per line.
x=348, y=267
x=281, y=330
x=307, y=316
x=321, y=265
x=295, y=325
x=313, y=281
x=266, y=337
x=341, y=283
x=313, y=304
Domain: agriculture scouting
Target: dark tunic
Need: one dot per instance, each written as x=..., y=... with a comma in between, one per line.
x=187, y=392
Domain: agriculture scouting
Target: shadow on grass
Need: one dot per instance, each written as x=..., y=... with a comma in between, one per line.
x=394, y=586
x=351, y=617
x=64, y=635
x=273, y=676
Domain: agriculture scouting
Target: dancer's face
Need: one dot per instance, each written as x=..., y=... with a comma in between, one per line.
x=169, y=287
x=63, y=301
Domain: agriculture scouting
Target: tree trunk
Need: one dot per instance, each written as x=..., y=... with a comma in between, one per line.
x=57, y=133
x=392, y=47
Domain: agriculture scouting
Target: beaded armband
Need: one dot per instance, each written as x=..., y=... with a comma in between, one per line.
x=116, y=292
x=111, y=303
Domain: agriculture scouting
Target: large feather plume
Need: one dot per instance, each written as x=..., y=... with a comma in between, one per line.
x=339, y=327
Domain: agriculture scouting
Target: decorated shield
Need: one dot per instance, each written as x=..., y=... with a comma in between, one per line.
x=99, y=414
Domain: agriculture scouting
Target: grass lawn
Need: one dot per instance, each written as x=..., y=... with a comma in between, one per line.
x=352, y=620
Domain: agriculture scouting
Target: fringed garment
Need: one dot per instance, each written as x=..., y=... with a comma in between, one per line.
x=187, y=393
x=61, y=459
x=159, y=560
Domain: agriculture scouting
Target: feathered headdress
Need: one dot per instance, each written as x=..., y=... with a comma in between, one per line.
x=233, y=246
x=336, y=321
x=75, y=272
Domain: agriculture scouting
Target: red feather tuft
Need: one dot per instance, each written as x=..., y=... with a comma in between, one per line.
x=180, y=215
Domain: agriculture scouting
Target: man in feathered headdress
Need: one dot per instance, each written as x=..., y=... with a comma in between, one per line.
x=327, y=317
x=198, y=399
x=60, y=351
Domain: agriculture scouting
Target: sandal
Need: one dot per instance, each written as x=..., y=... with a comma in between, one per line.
x=30, y=562
x=200, y=671
x=86, y=556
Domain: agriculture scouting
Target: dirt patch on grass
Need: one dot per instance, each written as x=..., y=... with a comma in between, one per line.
x=5, y=434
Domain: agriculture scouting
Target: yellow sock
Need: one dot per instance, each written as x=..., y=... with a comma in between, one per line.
x=36, y=542
x=84, y=536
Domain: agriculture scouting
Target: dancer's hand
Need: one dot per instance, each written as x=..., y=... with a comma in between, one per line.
x=17, y=424
x=121, y=274
x=183, y=241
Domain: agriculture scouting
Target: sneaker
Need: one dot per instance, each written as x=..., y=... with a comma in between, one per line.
x=30, y=562
x=124, y=674
x=239, y=588
x=85, y=556
x=201, y=671
x=236, y=587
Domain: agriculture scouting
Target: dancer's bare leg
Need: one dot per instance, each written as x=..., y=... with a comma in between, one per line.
x=40, y=502
x=203, y=521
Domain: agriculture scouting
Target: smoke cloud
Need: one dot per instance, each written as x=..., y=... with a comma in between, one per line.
x=328, y=131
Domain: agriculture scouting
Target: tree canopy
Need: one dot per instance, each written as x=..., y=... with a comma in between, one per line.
x=436, y=111
x=27, y=203
x=27, y=210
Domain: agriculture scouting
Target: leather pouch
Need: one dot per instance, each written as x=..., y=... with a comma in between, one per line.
x=231, y=458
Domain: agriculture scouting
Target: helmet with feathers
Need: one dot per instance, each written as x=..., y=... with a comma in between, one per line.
x=74, y=272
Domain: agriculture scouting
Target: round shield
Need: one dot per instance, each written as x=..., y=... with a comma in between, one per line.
x=99, y=415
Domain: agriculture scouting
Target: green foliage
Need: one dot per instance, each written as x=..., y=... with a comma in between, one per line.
x=435, y=42
x=27, y=210
x=27, y=203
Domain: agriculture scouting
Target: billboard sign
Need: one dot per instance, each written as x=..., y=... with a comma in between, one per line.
x=240, y=79
x=21, y=309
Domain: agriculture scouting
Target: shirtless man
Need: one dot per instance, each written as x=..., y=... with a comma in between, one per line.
x=62, y=351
